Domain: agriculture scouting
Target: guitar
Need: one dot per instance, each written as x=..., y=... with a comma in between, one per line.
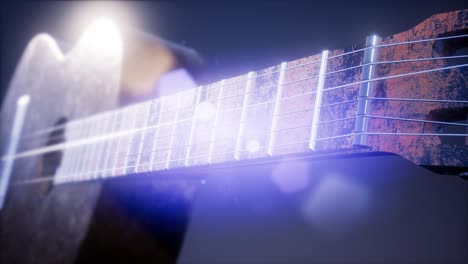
x=65, y=136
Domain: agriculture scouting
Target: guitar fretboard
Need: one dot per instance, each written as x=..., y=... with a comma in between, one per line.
x=270, y=112
x=368, y=97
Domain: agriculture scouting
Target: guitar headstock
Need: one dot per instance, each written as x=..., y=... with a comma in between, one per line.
x=422, y=114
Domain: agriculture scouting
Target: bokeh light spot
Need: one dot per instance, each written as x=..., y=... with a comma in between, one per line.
x=337, y=205
x=205, y=111
x=291, y=176
x=253, y=146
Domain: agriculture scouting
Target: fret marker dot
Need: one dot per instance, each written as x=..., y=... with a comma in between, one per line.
x=205, y=111
x=253, y=146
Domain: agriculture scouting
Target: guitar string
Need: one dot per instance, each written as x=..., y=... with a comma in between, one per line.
x=343, y=54
x=97, y=174
x=218, y=153
x=349, y=84
x=404, y=120
x=315, y=76
x=329, y=121
x=257, y=90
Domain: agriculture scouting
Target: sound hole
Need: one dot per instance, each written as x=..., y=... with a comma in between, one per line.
x=51, y=161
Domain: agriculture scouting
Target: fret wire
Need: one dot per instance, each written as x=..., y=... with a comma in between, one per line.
x=93, y=147
x=140, y=145
x=192, y=127
x=215, y=124
x=174, y=129
x=113, y=127
x=132, y=123
x=156, y=135
x=103, y=147
x=418, y=120
x=98, y=155
x=318, y=100
x=84, y=149
x=365, y=90
x=245, y=101
x=276, y=108
x=122, y=127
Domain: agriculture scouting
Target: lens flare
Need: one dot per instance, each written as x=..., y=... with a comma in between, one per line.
x=205, y=111
x=102, y=36
x=253, y=146
x=291, y=176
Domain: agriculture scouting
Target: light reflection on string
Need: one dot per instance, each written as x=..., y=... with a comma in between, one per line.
x=316, y=61
x=375, y=79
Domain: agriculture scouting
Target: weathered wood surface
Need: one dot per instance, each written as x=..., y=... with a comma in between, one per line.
x=440, y=85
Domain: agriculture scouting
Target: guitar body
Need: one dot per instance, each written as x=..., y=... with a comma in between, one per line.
x=43, y=222
x=47, y=223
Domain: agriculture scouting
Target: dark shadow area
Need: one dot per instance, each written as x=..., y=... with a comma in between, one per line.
x=136, y=223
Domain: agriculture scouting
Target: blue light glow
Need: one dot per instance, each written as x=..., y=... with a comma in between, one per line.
x=205, y=111
x=253, y=146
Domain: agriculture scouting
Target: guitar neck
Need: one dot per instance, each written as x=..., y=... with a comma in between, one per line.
x=383, y=95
